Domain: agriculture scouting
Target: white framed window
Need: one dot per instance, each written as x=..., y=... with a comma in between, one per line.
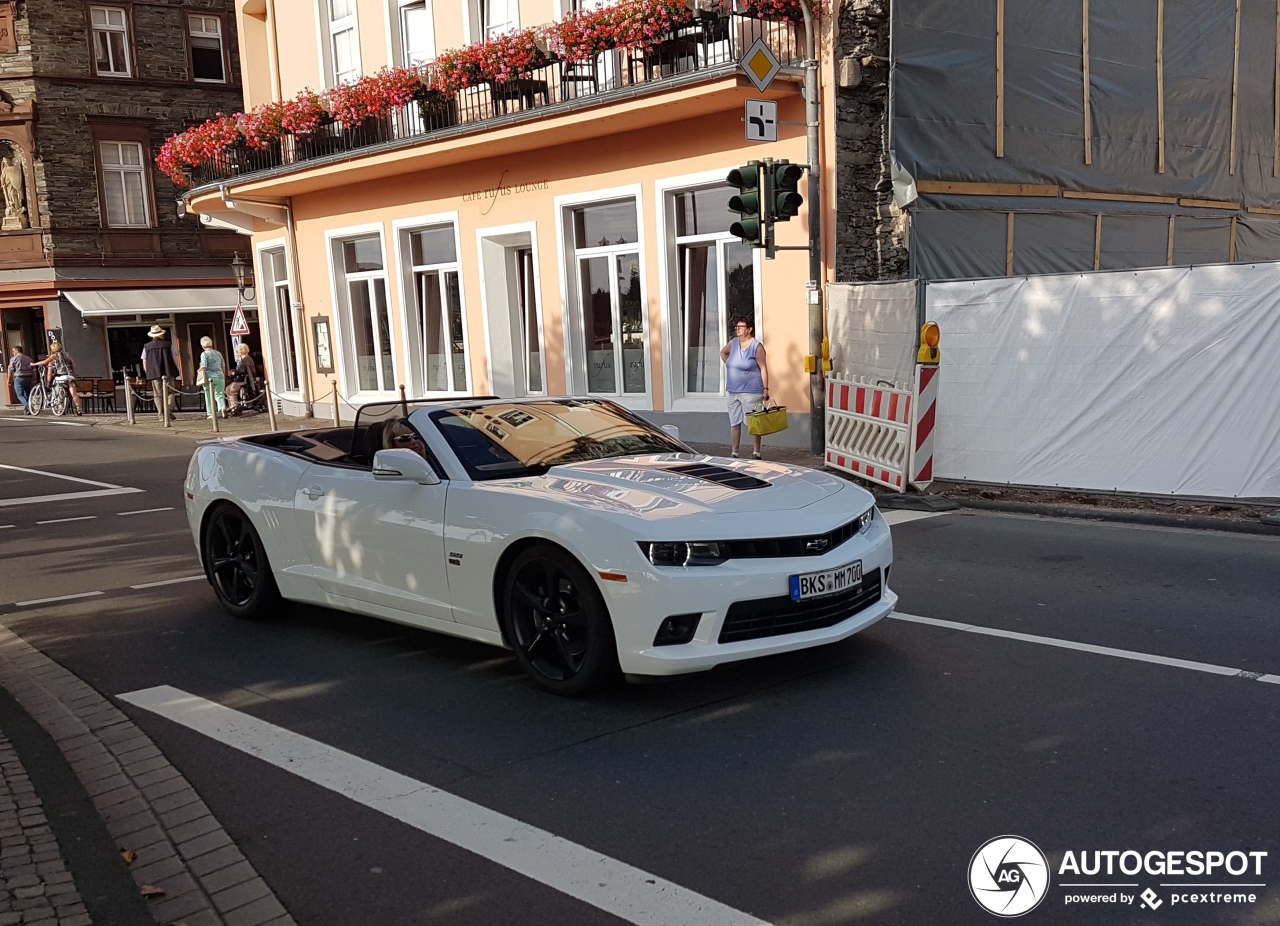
x=281, y=320
x=437, y=321
x=360, y=277
x=498, y=17
x=208, y=60
x=714, y=282
x=605, y=269
x=415, y=32
x=344, y=42
x=110, y=25
x=124, y=184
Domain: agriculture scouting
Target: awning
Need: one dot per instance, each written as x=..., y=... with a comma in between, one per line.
x=92, y=302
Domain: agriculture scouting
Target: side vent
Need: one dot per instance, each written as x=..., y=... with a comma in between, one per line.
x=729, y=478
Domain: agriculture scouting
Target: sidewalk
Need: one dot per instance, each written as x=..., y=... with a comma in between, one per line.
x=126, y=841
x=186, y=423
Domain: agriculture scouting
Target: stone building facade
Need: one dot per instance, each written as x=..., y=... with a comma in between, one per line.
x=871, y=231
x=89, y=91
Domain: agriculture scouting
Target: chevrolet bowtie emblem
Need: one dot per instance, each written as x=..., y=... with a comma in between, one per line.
x=817, y=545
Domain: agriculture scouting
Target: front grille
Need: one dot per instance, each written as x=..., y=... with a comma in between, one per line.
x=810, y=545
x=771, y=617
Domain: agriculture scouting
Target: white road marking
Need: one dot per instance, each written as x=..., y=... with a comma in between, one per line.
x=30, y=419
x=121, y=514
x=105, y=488
x=1084, y=647
x=5, y=527
x=899, y=516
x=605, y=883
x=83, y=517
x=23, y=604
x=167, y=582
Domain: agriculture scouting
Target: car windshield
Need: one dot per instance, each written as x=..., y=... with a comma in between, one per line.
x=505, y=439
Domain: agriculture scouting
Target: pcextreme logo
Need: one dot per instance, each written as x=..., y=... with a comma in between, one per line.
x=1009, y=876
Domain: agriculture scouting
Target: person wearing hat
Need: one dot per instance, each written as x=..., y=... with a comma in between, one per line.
x=158, y=362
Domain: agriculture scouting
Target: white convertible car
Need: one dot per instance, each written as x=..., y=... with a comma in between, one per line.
x=572, y=531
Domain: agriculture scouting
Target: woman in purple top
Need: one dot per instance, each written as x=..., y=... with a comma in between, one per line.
x=748, y=380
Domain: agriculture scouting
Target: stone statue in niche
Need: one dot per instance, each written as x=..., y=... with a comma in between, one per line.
x=13, y=182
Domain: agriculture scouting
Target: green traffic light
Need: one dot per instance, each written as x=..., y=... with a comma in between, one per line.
x=786, y=197
x=747, y=203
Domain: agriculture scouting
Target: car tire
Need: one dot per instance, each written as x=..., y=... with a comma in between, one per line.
x=236, y=564
x=555, y=621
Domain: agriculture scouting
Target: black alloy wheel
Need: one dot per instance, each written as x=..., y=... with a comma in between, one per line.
x=237, y=566
x=556, y=622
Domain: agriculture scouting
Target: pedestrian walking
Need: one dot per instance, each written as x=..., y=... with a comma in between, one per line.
x=62, y=369
x=245, y=375
x=213, y=370
x=159, y=365
x=747, y=366
x=22, y=375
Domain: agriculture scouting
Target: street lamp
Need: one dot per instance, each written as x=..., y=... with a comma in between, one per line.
x=237, y=267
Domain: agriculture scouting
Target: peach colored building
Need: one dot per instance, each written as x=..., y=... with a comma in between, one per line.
x=566, y=232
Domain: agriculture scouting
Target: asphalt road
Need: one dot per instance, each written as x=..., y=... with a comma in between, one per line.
x=851, y=784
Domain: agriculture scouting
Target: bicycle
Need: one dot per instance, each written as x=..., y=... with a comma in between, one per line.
x=55, y=397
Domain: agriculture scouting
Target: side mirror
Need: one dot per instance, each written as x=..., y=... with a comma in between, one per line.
x=401, y=465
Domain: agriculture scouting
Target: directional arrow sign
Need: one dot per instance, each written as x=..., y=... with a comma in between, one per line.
x=760, y=64
x=762, y=120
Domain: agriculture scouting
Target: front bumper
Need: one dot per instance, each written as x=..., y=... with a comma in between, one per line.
x=652, y=594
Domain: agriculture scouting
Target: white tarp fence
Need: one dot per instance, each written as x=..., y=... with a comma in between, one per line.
x=873, y=329
x=1157, y=381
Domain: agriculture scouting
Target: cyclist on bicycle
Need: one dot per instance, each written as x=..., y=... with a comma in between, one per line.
x=62, y=369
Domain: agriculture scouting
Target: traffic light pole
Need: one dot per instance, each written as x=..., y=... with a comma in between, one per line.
x=817, y=396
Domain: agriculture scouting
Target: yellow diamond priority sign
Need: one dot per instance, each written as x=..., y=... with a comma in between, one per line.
x=760, y=65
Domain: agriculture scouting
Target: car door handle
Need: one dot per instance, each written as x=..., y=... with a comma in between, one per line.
x=313, y=492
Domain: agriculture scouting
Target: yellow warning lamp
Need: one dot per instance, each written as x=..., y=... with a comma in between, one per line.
x=930, y=335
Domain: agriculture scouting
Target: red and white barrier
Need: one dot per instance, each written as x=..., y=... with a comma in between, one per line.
x=922, y=426
x=882, y=432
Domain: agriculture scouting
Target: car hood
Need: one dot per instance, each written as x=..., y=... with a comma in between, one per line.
x=654, y=488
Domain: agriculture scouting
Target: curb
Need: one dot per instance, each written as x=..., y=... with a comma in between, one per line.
x=147, y=805
x=1122, y=516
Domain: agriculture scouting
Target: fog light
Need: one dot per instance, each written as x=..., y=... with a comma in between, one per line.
x=677, y=629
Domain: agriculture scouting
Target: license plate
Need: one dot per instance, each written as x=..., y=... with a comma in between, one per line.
x=829, y=582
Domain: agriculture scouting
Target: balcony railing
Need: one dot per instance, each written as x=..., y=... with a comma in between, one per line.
x=709, y=47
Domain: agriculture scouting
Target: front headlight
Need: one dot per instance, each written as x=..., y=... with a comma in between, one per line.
x=686, y=553
x=864, y=521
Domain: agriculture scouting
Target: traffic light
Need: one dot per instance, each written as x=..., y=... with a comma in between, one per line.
x=749, y=203
x=784, y=190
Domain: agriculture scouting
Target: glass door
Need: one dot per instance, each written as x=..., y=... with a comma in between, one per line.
x=440, y=321
x=530, y=331
x=372, y=328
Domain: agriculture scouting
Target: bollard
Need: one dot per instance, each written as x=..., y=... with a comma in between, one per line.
x=213, y=409
x=337, y=419
x=164, y=401
x=128, y=400
x=404, y=404
x=271, y=406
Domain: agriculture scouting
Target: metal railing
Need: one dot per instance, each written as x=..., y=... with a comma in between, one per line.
x=707, y=48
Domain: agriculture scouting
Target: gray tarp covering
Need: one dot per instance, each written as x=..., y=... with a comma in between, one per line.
x=1048, y=243
x=945, y=95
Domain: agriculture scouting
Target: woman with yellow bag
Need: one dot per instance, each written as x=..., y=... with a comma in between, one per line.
x=747, y=367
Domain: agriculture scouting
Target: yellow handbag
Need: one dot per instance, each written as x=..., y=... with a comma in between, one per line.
x=767, y=420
